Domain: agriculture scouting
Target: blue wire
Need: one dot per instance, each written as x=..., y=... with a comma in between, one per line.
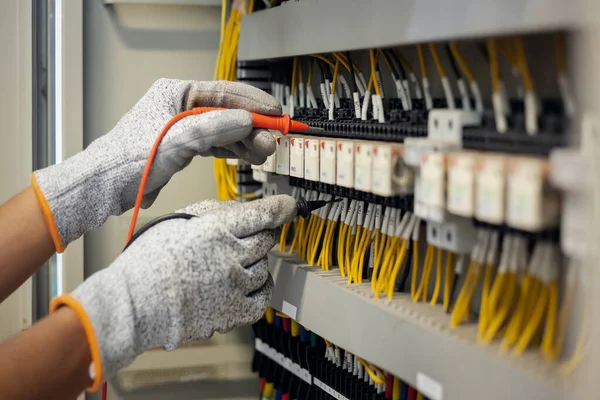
x=304, y=334
x=404, y=391
x=278, y=322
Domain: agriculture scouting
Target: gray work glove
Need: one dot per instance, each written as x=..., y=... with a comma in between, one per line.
x=80, y=193
x=181, y=281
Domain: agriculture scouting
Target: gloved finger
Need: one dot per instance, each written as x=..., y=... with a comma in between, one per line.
x=150, y=197
x=199, y=133
x=255, y=148
x=256, y=247
x=231, y=95
x=255, y=276
x=205, y=206
x=260, y=144
x=247, y=219
x=256, y=303
x=219, y=152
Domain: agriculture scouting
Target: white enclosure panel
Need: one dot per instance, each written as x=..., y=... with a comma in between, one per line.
x=15, y=134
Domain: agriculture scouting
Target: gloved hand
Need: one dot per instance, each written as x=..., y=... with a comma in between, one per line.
x=181, y=281
x=80, y=193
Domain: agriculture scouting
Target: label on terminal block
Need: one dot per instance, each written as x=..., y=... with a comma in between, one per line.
x=382, y=179
x=296, y=156
x=311, y=159
x=283, y=155
x=327, y=161
x=345, y=163
x=363, y=166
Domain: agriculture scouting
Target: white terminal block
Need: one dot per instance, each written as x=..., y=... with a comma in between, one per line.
x=283, y=155
x=444, y=125
x=531, y=204
x=490, y=189
x=327, y=167
x=296, y=156
x=345, y=163
x=391, y=176
x=432, y=188
x=270, y=164
x=311, y=159
x=363, y=166
x=461, y=183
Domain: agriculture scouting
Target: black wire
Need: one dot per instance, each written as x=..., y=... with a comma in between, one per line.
x=155, y=222
x=322, y=69
x=453, y=64
x=393, y=70
x=484, y=51
x=354, y=85
x=398, y=64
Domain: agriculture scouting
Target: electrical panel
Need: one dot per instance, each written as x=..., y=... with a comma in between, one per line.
x=454, y=213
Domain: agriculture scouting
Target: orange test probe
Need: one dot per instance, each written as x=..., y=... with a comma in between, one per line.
x=283, y=123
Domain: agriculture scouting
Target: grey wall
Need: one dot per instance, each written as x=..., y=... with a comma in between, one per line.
x=126, y=49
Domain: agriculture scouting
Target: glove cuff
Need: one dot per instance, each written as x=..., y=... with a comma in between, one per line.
x=90, y=333
x=48, y=216
x=80, y=193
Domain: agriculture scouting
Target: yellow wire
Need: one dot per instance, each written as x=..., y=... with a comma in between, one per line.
x=397, y=268
x=561, y=58
x=504, y=308
x=485, y=293
x=534, y=323
x=424, y=286
x=309, y=78
x=341, y=59
x=422, y=61
x=323, y=58
x=494, y=71
x=438, y=278
x=461, y=62
x=420, y=396
x=373, y=61
x=397, y=389
x=283, y=237
x=374, y=376
x=335, y=76
x=436, y=60
x=519, y=320
x=463, y=302
x=415, y=271
x=448, y=280
x=294, y=72
x=386, y=265
x=251, y=7
x=340, y=248
x=522, y=63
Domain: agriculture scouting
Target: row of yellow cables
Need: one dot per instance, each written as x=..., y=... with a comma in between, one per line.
x=225, y=69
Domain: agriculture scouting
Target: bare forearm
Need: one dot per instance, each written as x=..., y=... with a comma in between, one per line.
x=25, y=243
x=49, y=361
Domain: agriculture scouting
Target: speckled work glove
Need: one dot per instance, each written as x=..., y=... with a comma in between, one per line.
x=181, y=281
x=80, y=193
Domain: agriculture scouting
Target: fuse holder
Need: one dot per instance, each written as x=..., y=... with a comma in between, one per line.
x=283, y=155
x=296, y=156
x=490, y=189
x=345, y=163
x=433, y=185
x=391, y=176
x=363, y=166
x=327, y=167
x=461, y=183
x=531, y=204
x=311, y=159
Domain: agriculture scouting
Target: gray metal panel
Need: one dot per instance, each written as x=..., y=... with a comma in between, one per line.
x=406, y=338
x=334, y=25
x=213, y=3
